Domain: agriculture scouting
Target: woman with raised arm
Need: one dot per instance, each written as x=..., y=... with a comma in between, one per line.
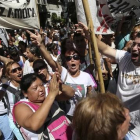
x=39, y=115
x=72, y=76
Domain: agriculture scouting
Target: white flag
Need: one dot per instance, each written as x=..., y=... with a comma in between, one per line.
x=4, y=36
x=101, y=20
x=106, y=13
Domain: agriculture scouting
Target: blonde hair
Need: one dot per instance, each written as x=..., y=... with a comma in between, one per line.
x=133, y=30
x=98, y=117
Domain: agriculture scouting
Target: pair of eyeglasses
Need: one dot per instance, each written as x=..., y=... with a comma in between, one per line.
x=16, y=69
x=39, y=68
x=75, y=57
x=134, y=44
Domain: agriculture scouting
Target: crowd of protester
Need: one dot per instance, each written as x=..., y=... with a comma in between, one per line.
x=49, y=88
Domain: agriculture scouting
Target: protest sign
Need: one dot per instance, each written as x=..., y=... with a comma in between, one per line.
x=100, y=19
x=17, y=14
x=4, y=36
x=106, y=13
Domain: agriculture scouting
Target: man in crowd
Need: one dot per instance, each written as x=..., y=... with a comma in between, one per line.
x=128, y=86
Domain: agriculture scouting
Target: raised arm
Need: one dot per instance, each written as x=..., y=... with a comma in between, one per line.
x=103, y=48
x=5, y=60
x=34, y=120
x=36, y=39
x=106, y=49
x=67, y=92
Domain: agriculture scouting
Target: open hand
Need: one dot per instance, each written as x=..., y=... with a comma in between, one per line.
x=54, y=85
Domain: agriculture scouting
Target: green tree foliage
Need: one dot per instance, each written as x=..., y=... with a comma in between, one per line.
x=56, y=19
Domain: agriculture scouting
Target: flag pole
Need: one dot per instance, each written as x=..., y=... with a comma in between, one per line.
x=94, y=44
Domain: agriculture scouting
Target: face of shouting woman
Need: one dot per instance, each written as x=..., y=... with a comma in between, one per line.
x=73, y=62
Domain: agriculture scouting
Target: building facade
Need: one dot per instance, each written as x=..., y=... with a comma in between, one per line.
x=47, y=8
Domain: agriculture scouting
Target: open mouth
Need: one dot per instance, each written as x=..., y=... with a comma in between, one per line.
x=134, y=56
x=19, y=75
x=73, y=66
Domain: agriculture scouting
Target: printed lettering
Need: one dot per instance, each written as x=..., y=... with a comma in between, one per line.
x=24, y=13
x=33, y=12
x=128, y=9
x=2, y=12
x=110, y=1
x=122, y=6
x=10, y=13
x=18, y=13
x=119, y=2
x=28, y=12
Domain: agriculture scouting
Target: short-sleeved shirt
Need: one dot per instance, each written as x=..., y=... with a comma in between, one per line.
x=79, y=84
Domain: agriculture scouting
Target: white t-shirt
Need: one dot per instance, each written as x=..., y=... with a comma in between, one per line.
x=79, y=84
x=54, y=58
x=128, y=87
x=129, y=76
x=27, y=68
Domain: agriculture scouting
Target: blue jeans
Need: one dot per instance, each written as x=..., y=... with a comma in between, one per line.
x=15, y=130
x=5, y=128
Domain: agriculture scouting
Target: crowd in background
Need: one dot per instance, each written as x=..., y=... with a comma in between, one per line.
x=48, y=81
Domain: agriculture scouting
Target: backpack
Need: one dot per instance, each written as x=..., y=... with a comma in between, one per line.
x=17, y=93
x=57, y=126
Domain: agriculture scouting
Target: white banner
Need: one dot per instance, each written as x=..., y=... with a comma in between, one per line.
x=106, y=13
x=4, y=36
x=17, y=14
x=120, y=8
x=100, y=15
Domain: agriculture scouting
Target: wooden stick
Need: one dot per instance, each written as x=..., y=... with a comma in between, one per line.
x=94, y=44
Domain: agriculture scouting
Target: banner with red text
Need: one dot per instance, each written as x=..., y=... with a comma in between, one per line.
x=106, y=13
x=17, y=14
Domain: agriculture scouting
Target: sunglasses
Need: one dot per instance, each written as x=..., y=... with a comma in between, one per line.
x=40, y=68
x=16, y=69
x=75, y=57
